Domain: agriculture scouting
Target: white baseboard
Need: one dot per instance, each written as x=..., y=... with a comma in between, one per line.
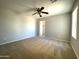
x=16, y=40
x=75, y=51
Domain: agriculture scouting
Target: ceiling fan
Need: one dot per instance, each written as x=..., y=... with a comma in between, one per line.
x=40, y=11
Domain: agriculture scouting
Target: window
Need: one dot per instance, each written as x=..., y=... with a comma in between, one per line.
x=74, y=23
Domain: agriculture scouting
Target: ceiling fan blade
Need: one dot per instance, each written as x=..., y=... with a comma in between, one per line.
x=34, y=13
x=41, y=8
x=40, y=14
x=45, y=12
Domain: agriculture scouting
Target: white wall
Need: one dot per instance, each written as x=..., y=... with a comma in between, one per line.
x=75, y=42
x=58, y=27
x=14, y=27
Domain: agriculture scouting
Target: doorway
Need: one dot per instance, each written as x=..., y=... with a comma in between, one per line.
x=42, y=28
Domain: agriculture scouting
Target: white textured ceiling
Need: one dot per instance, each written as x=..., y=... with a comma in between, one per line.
x=27, y=6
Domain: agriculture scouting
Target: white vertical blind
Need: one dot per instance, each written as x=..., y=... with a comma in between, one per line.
x=74, y=23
